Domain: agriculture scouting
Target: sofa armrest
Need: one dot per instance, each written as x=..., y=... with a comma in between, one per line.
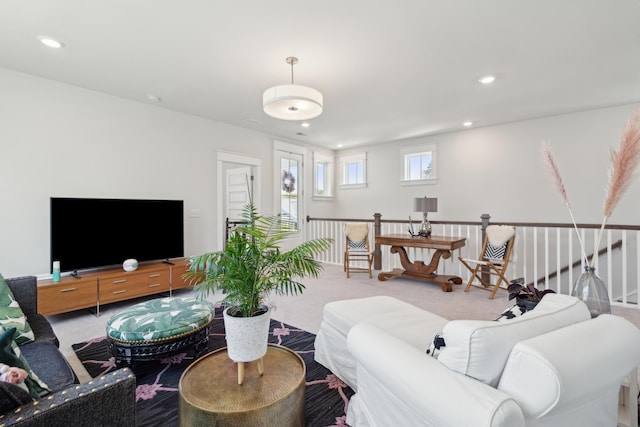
x=577, y=369
x=401, y=385
x=25, y=290
x=104, y=401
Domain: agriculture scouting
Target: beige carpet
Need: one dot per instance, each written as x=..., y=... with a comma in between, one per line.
x=305, y=311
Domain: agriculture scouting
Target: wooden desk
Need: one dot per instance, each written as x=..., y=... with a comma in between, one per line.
x=418, y=270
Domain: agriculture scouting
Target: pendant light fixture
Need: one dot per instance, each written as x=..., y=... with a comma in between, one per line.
x=292, y=102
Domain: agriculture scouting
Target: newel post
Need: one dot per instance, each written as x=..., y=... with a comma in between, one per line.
x=377, y=253
x=485, y=218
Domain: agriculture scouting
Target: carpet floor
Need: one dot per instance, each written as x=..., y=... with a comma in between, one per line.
x=326, y=396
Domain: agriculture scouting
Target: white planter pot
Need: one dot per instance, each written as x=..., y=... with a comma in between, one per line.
x=247, y=337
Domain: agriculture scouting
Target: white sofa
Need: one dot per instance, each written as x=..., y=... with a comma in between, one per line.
x=553, y=366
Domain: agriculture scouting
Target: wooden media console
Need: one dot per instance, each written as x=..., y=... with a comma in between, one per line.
x=108, y=285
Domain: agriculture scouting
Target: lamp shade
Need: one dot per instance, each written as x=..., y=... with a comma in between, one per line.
x=292, y=102
x=425, y=204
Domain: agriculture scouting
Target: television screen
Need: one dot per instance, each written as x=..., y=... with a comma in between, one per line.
x=90, y=233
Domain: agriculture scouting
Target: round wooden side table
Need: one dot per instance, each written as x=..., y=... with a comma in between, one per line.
x=210, y=394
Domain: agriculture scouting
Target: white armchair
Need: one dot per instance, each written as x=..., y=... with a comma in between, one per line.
x=568, y=377
x=551, y=367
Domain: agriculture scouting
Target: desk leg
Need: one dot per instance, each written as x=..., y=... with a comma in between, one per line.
x=418, y=270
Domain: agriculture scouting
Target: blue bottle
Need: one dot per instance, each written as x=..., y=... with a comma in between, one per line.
x=56, y=271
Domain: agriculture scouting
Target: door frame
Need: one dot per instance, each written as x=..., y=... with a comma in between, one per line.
x=242, y=159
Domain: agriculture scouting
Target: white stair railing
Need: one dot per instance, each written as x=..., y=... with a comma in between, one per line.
x=546, y=254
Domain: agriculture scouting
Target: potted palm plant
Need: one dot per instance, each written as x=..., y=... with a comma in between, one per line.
x=247, y=270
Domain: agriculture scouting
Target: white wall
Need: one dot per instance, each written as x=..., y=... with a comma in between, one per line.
x=60, y=140
x=499, y=170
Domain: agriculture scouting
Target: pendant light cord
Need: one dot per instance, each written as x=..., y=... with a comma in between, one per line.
x=292, y=60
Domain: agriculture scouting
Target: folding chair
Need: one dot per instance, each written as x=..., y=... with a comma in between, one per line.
x=357, y=248
x=496, y=252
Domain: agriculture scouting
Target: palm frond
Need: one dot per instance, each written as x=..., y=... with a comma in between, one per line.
x=252, y=264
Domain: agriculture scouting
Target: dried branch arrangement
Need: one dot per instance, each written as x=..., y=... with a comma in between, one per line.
x=624, y=163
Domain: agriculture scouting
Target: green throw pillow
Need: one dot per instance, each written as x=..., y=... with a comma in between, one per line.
x=10, y=355
x=12, y=316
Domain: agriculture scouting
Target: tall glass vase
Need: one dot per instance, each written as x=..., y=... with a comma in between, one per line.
x=590, y=289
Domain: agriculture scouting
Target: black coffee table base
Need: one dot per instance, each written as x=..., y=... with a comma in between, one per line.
x=138, y=351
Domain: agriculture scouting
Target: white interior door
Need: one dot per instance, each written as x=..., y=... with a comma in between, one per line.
x=224, y=162
x=239, y=182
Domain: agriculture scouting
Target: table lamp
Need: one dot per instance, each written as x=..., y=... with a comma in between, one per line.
x=425, y=205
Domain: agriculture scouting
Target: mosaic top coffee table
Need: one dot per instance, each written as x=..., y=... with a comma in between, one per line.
x=210, y=394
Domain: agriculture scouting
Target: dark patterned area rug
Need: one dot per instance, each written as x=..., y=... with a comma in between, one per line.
x=326, y=396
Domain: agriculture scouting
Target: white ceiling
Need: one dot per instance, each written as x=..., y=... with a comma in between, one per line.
x=387, y=69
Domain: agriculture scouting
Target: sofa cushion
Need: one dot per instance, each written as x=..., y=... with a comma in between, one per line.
x=480, y=348
x=12, y=316
x=10, y=355
x=49, y=364
x=438, y=342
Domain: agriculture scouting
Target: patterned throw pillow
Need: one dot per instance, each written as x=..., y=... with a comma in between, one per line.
x=436, y=345
x=495, y=252
x=10, y=355
x=12, y=316
x=511, y=313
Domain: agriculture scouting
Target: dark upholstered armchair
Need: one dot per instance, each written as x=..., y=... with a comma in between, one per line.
x=105, y=401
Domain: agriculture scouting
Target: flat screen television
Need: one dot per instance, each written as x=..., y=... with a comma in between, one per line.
x=90, y=233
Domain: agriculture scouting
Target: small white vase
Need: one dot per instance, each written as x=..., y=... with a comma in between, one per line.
x=247, y=337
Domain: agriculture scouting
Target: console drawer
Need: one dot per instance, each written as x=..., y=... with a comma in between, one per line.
x=68, y=295
x=131, y=285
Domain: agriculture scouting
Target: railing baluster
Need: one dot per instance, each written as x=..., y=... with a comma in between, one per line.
x=570, y=241
x=624, y=269
x=558, y=262
x=637, y=281
x=546, y=257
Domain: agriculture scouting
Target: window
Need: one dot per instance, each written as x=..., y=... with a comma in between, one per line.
x=323, y=176
x=419, y=164
x=354, y=170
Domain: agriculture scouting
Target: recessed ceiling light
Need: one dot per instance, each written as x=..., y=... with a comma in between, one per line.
x=305, y=124
x=467, y=124
x=48, y=41
x=485, y=80
x=339, y=145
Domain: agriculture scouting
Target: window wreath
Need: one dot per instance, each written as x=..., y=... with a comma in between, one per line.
x=288, y=181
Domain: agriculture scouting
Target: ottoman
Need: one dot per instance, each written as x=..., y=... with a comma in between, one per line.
x=407, y=322
x=157, y=328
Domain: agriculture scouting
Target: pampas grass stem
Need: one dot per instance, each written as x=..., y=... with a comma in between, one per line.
x=624, y=162
x=552, y=167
